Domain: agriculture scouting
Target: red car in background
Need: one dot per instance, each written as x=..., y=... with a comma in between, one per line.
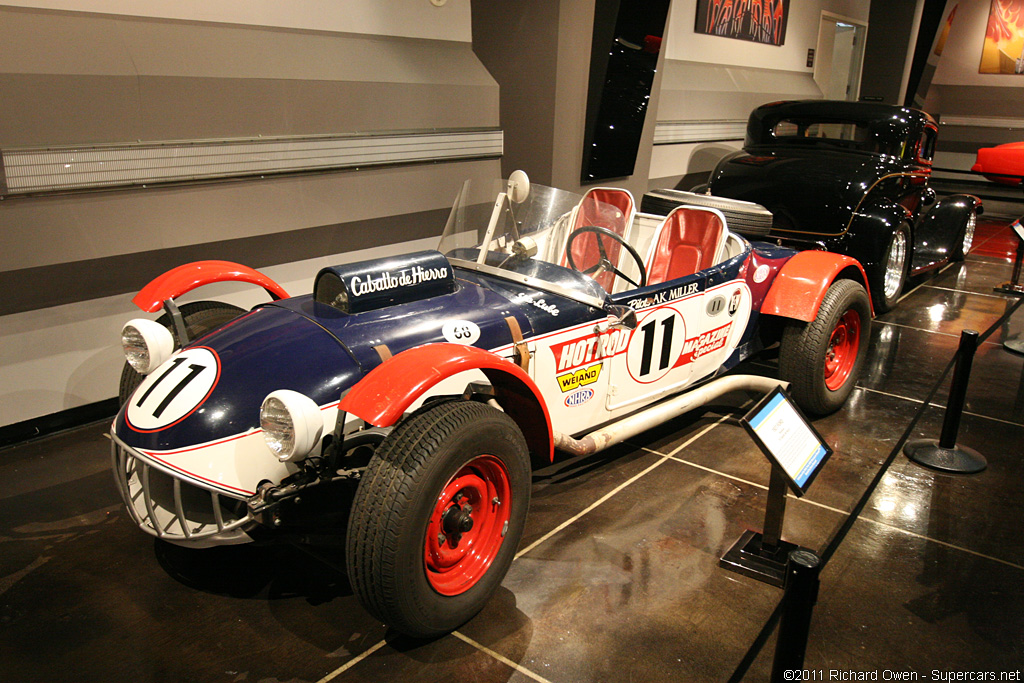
x=1002, y=164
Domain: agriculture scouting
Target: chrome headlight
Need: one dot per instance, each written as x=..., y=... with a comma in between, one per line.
x=146, y=343
x=291, y=424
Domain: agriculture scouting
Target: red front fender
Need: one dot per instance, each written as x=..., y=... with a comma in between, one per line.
x=385, y=394
x=800, y=286
x=182, y=279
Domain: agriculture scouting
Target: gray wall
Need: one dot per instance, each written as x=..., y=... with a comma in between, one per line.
x=518, y=44
x=974, y=109
x=890, y=39
x=71, y=262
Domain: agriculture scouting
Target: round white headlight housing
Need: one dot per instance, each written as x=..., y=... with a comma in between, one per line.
x=146, y=343
x=291, y=424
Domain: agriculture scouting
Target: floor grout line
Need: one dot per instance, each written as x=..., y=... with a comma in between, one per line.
x=603, y=499
x=664, y=458
x=504, y=660
x=839, y=511
x=927, y=331
x=917, y=400
x=941, y=271
x=1005, y=297
x=352, y=662
x=939, y=405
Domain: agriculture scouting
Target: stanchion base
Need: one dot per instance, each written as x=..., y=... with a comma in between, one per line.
x=958, y=459
x=1015, y=344
x=1010, y=288
x=746, y=557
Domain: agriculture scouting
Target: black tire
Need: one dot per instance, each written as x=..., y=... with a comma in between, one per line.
x=886, y=300
x=400, y=498
x=200, y=317
x=819, y=383
x=965, y=238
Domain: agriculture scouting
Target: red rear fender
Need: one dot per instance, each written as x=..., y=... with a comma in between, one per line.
x=182, y=279
x=800, y=286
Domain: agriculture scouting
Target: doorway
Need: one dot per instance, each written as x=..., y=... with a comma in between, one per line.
x=839, y=56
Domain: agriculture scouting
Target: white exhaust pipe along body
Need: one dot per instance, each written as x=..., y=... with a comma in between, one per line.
x=628, y=427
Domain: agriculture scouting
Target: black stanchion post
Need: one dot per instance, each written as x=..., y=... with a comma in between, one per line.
x=945, y=454
x=798, y=603
x=958, y=388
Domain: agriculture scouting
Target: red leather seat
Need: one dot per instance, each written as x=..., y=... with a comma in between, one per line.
x=687, y=241
x=604, y=207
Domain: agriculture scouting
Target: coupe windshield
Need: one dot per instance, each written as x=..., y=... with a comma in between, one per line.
x=517, y=230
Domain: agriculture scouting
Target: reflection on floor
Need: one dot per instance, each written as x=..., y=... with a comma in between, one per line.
x=617, y=578
x=992, y=238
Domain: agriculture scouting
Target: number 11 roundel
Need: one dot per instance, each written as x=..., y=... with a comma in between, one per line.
x=655, y=345
x=174, y=390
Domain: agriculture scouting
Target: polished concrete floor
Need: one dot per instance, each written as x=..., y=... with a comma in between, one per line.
x=617, y=577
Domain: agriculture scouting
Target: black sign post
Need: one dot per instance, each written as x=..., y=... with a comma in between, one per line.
x=797, y=453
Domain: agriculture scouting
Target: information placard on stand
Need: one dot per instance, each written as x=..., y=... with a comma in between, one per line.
x=797, y=453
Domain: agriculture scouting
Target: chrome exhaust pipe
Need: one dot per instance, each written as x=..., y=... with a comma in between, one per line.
x=618, y=432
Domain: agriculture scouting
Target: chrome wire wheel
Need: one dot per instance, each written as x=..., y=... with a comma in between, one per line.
x=895, y=265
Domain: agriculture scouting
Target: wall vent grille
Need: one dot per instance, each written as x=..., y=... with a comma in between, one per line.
x=62, y=169
x=675, y=132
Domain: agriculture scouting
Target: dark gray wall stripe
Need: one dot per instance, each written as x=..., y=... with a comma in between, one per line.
x=75, y=78
x=979, y=100
x=44, y=109
x=56, y=422
x=41, y=287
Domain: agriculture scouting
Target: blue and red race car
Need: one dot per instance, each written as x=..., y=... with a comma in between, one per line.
x=402, y=404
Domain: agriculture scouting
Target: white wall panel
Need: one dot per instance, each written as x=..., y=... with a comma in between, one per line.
x=408, y=18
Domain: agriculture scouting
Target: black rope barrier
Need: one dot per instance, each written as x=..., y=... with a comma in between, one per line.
x=773, y=619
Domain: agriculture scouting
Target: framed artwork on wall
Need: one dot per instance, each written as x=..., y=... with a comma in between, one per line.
x=759, y=21
x=1003, y=51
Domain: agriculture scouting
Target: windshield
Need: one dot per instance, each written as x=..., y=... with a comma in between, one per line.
x=525, y=232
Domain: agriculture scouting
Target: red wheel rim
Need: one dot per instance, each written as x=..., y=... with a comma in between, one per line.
x=841, y=353
x=462, y=542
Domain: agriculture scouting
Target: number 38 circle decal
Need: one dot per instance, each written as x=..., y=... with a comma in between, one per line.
x=656, y=345
x=174, y=390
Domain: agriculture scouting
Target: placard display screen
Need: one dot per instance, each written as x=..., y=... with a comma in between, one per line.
x=788, y=439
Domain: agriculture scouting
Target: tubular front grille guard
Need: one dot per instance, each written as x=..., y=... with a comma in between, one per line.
x=166, y=507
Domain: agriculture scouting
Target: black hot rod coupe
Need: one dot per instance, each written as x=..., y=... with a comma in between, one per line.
x=848, y=177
